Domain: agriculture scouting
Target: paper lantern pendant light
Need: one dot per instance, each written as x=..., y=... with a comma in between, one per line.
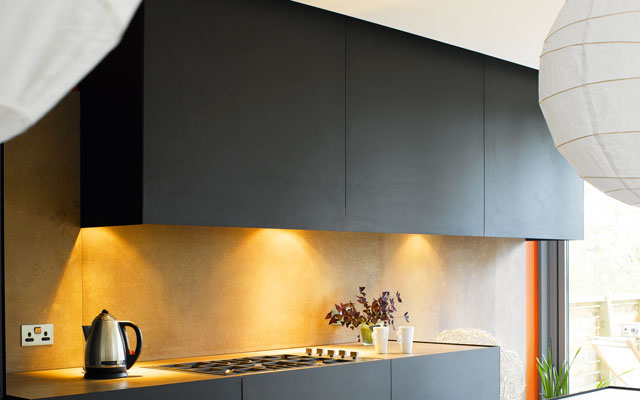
x=590, y=92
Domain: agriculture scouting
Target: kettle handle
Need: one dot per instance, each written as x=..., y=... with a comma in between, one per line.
x=131, y=358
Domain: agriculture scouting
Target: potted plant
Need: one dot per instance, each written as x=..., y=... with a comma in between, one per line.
x=378, y=312
x=555, y=381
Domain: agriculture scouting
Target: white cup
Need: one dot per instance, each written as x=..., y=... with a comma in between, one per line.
x=380, y=338
x=405, y=338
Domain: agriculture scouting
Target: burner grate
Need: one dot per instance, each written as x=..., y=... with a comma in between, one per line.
x=248, y=365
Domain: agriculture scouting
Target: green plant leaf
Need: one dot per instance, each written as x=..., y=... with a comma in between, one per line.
x=554, y=381
x=604, y=382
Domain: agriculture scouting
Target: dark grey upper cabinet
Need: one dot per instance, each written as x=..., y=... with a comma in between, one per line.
x=530, y=189
x=362, y=381
x=414, y=134
x=274, y=114
x=243, y=116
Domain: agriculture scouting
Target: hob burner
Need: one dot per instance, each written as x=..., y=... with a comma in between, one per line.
x=247, y=365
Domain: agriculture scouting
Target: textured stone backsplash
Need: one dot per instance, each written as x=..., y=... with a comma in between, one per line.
x=202, y=290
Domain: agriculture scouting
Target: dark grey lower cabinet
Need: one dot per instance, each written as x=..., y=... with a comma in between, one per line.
x=462, y=375
x=363, y=381
x=472, y=373
x=215, y=389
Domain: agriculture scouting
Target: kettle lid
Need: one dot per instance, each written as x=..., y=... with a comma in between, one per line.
x=105, y=316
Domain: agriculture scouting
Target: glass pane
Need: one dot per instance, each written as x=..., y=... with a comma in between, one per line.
x=604, y=294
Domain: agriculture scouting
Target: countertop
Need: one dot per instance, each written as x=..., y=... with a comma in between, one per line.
x=70, y=381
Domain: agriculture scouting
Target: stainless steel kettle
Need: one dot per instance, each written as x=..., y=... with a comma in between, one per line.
x=106, y=353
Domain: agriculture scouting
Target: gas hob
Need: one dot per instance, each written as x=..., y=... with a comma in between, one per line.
x=248, y=365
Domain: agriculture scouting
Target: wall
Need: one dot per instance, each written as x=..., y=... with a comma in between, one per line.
x=513, y=30
x=207, y=290
x=202, y=290
x=43, y=265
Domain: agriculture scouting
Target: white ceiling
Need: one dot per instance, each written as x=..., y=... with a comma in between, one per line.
x=512, y=30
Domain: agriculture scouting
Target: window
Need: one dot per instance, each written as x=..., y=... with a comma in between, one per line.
x=604, y=294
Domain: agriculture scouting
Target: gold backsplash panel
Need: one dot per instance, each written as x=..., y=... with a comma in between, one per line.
x=206, y=290
x=43, y=264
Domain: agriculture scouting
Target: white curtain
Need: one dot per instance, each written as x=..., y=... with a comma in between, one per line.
x=47, y=47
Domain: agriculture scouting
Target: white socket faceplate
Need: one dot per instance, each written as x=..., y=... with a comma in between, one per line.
x=37, y=335
x=631, y=329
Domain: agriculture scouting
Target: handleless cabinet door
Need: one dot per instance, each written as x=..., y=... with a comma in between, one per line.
x=461, y=375
x=414, y=134
x=531, y=190
x=243, y=114
x=225, y=388
x=362, y=381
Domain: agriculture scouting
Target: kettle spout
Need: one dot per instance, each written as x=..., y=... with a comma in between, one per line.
x=85, y=330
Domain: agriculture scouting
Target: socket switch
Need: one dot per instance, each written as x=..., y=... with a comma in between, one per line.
x=631, y=330
x=37, y=335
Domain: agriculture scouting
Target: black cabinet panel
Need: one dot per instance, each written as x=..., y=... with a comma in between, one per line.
x=414, y=134
x=3, y=376
x=461, y=375
x=269, y=113
x=244, y=114
x=363, y=381
x=531, y=190
x=111, y=134
x=215, y=389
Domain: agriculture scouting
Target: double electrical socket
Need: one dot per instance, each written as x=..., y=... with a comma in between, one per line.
x=631, y=330
x=37, y=335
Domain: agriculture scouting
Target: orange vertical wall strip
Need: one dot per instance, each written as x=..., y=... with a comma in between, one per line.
x=531, y=372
